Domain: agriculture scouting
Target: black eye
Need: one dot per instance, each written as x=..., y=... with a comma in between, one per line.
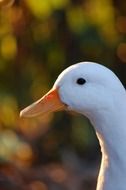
x=81, y=81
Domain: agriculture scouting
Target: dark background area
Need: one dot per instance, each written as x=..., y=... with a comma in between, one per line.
x=38, y=40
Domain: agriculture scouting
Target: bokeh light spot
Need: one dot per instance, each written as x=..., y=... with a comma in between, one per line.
x=59, y=4
x=76, y=19
x=37, y=185
x=9, y=47
x=24, y=152
x=121, y=24
x=9, y=111
x=58, y=174
x=121, y=52
x=8, y=144
x=40, y=8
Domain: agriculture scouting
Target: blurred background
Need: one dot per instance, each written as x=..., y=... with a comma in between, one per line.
x=39, y=39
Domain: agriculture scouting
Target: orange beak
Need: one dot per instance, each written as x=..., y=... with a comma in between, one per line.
x=49, y=103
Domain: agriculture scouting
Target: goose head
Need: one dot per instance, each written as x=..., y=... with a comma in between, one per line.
x=87, y=88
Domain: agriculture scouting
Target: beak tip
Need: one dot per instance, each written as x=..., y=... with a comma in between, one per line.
x=21, y=114
x=27, y=113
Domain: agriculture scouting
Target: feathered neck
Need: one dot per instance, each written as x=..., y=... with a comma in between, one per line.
x=110, y=126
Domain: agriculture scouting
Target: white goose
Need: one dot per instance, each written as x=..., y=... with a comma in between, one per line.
x=94, y=91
